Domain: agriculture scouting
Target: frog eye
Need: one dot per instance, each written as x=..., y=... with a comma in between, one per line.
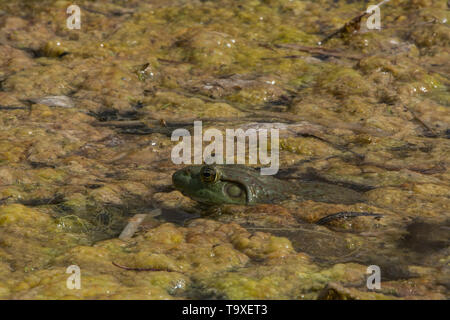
x=233, y=190
x=208, y=174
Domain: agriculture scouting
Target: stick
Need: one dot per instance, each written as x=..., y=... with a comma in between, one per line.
x=355, y=21
x=317, y=50
x=140, y=269
x=347, y=214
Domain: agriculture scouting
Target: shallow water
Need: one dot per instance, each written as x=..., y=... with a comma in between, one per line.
x=367, y=111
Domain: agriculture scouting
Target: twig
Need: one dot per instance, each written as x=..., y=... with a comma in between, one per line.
x=346, y=214
x=109, y=14
x=352, y=24
x=317, y=50
x=289, y=229
x=13, y=108
x=140, y=269
x=120, y=124
x=56, y=199
x=429, y=131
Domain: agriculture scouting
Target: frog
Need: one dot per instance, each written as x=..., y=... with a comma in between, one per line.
x=219, y=184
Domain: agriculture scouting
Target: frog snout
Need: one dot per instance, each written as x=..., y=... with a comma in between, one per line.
x=181, y=178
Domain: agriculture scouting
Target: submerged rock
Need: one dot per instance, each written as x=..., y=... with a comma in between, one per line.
x=55, y=101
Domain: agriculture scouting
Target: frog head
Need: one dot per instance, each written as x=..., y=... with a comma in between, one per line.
x=225, y=184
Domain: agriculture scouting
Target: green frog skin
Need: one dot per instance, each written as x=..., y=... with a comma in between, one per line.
x=238, y=184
